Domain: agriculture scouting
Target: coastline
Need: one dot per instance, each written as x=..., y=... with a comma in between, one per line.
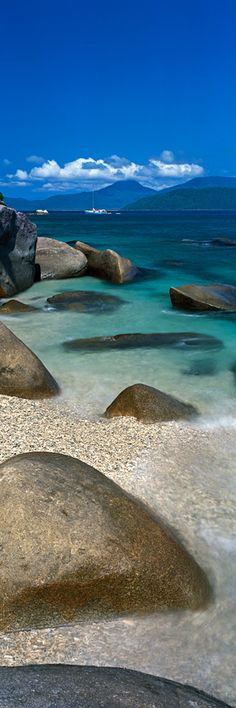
x=184, y=472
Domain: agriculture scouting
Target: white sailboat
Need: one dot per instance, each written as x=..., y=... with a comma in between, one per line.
x=93, y=210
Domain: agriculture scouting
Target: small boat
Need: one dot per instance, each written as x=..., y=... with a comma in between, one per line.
x=96, y=211
x=41, y=212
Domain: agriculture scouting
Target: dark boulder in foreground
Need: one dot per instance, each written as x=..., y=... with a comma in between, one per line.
x=149, y=405
x=78, y=546
x=18, y=238
x=22, y=374
x=204, y=297
x=65, y=686
x=138, y=340
x=85, y=301
x=108, y=264
x=57, y=260
x=15, y=307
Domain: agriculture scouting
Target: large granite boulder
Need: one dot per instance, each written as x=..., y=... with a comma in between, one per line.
x=204, y=297
x=108, y=264
x=57, y=260
x=149, y=405
x=65, y=686
x=139, y=340
x=18, y=238
x=15, y=307
x=85, y=301
x=22, y=374
x=75, y=545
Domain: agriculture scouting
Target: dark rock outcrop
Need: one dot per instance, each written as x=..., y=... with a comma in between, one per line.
x=22, y=374
x=57, y=260
x=204, y=297
x=65, y=686
x=15, y=307
x=85, y=301
x=18, y=238
x=108, y=264
x=78, y=546
x=153, y=340
x=149, y=405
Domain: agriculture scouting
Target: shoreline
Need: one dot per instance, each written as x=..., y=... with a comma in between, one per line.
x=185, y=474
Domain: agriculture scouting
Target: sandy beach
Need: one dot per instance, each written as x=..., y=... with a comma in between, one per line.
x=184, y=472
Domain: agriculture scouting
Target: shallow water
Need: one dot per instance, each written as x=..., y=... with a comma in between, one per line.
x=170, y=245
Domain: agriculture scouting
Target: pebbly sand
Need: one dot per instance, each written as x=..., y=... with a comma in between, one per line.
x=186, y=473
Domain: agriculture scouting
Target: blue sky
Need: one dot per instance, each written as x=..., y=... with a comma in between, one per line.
x=145, y=89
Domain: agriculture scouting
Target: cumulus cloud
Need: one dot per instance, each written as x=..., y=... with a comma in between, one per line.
x=35, y=159
x=86, y=173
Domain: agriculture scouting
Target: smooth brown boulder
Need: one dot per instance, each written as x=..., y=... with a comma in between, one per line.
x=15, y=307
x=149, y=405
x=108, y=264
x=22, y=374
x=18, y=238
x=57, y=260
x=85, y=301
x=74, y=545
x=204, y=297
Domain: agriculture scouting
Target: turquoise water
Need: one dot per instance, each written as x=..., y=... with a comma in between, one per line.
x=171, y=246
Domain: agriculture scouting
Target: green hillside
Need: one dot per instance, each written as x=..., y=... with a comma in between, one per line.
x=182, y=199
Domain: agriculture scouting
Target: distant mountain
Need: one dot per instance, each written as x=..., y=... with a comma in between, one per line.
x=116, y=196
x=205, y=182
x=189, y=197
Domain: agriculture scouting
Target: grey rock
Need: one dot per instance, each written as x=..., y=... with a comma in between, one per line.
x=201, y=298
x=18, y=238
x=74, y=545
x=57, y=260
x=65, y=686
x=85, y=301
x=22, y=374
x=149, y=405
x=182, y=340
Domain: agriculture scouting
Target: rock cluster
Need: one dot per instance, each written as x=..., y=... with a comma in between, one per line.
x=57, y=260
x=108, y=264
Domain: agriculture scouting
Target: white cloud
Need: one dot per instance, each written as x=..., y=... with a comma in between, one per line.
x=35, y=159
x=167, y=156
x=86, y=173
x=6, y=161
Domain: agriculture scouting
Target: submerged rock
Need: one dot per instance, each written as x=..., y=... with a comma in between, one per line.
x=18, y=238
x=201, y=367
x=57, y=260
x=22, y=374
x=65, y=686
x=153, y=340
x=15, y=307
x=85, y=301
x=149, y=405
x=204, y=297
x=108, y=264
x=77, y=546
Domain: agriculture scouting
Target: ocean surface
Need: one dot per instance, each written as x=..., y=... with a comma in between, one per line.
x=175, y=249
